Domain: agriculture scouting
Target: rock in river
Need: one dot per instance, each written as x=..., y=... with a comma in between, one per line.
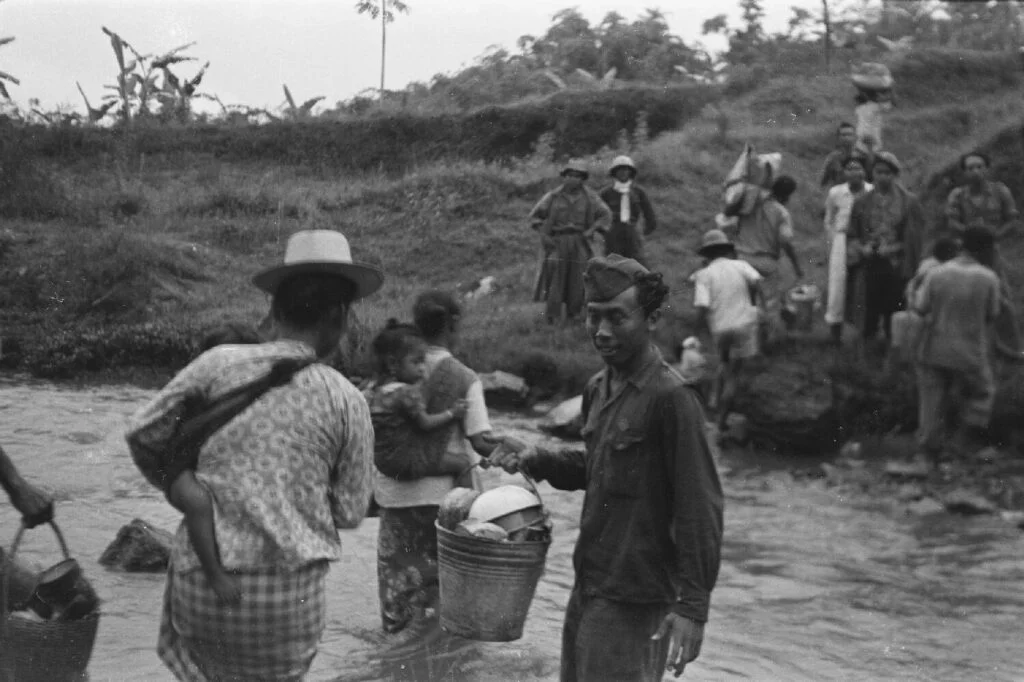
x=502, y=389
x=565, y=420
x=789, y=406
x=139, y=548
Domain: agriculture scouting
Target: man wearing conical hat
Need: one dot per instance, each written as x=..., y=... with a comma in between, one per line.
x=628, y=203
x=648, y=552
x=567, y=219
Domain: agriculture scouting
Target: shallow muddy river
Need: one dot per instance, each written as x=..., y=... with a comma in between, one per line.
x=812, y=587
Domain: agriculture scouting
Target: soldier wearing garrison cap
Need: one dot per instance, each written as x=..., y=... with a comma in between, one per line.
x=648, y=551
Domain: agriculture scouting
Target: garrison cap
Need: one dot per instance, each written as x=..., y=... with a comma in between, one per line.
x=608, y=276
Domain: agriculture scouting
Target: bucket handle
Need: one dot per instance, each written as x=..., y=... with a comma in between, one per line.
x=529, y=479
x=56, y=531
x=9, y=565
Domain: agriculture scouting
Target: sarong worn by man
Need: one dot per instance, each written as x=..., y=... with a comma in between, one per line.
x=568, y=218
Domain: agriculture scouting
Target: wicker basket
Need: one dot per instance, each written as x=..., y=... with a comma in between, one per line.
x=38, y=651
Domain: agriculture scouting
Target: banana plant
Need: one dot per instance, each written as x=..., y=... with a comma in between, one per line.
x=144, y=80
x=238, y=114
x=95, y=115
x=176, y=94
x=299, y=113
x=605, y=82
x=4, y=76
x=554, y=78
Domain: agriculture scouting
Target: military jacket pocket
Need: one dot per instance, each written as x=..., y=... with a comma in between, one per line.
x=625, y=462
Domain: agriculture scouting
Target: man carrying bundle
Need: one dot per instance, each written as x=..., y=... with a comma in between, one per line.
x=650, y=537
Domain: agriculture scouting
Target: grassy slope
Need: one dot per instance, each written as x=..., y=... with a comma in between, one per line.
x=206, y=227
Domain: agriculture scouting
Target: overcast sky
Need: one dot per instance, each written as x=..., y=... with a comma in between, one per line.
x=316, y=47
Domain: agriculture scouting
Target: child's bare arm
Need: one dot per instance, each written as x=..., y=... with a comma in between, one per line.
x=188, y=496
x=429, y=422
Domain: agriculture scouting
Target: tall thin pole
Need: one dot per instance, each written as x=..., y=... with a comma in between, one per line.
x=383, y=44
x=828, y=34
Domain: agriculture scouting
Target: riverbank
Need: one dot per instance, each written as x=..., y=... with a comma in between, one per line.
x=120, y=255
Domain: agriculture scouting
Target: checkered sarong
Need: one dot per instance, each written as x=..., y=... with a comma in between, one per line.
x=271, y=636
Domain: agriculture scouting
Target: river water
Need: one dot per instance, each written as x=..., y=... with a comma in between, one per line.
x=813, y=586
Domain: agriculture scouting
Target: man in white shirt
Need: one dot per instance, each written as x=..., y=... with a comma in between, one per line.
x=838, y=204
x=726, y=291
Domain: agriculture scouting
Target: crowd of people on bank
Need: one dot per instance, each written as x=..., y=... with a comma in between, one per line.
x=939, y=293
x=881, y=249
x=268, y=451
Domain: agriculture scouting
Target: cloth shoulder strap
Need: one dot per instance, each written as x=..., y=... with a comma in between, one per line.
x=450, y=381
x=196, y=430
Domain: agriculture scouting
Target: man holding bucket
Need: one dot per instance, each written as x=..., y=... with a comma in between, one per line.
x=648, y=551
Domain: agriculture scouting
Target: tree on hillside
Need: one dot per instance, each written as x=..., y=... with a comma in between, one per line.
x=642, y=50
x=744, y=42
x=385, y=9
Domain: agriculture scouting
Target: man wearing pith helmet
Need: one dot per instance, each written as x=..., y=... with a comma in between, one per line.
x=648, y=551
x=567, y=218
x=628, y=202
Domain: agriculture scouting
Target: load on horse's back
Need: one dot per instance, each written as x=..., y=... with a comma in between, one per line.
x=750, y=176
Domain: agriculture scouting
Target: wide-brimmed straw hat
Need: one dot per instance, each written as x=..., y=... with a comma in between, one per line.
x=714, y=239
x=622, y=162
x=321, y=252
x=576, y=166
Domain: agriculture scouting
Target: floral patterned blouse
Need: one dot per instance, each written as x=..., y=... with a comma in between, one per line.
x=285, y=473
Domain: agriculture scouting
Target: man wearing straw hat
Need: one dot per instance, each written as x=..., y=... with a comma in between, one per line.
x=289, y=470
x=628, y=203
x=726, y=293
x=568, y=219
x=650, y=536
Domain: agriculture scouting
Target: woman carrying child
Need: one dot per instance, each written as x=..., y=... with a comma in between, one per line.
x=400, y=419
x=417, y=471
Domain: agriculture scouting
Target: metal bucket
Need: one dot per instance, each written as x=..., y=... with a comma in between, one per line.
x=802, y=302
x=486, y=586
